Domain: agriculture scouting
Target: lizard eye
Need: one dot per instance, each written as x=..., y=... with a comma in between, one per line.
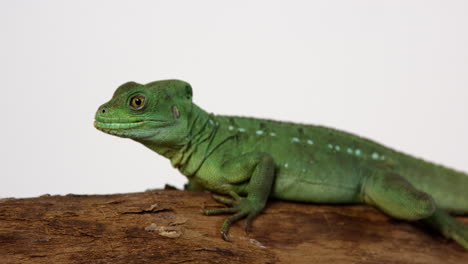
x=137, y=102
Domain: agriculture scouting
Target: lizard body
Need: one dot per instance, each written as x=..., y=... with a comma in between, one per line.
x=256, y=159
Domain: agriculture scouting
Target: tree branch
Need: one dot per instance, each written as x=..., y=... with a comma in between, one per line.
x=167, y=226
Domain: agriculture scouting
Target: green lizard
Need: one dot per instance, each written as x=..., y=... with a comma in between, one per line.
x=252, y=160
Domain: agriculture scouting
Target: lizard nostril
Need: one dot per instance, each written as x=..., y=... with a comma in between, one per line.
x=104, y=110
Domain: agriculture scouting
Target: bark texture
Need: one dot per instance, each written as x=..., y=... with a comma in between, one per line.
x=166, y=226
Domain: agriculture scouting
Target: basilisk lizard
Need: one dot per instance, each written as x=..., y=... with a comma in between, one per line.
x=253, y=159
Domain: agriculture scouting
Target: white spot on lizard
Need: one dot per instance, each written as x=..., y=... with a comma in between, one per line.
x=310, y=142
x=259, y=132
x=295, y=139
x=375, y=155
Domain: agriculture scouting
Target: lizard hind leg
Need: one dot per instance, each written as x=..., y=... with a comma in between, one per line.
x=396, y=197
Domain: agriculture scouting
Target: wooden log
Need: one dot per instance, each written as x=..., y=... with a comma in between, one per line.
x=167, y=226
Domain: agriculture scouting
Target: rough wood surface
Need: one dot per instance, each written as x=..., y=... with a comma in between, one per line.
x=166, y=226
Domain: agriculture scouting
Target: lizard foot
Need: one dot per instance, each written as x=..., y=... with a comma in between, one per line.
x=449, y=227
x=241, y=207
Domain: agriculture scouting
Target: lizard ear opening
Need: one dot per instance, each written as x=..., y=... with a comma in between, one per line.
x=175, y=112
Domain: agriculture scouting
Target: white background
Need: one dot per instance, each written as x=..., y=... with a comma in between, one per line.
x=393, y=71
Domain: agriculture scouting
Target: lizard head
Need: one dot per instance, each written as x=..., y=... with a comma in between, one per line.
x=155, y=111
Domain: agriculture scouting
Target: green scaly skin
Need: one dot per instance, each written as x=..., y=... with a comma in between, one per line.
x=253, y=159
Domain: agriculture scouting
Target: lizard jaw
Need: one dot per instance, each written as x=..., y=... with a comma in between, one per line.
x=126, y=130
x=117, y=125
x=130, y=128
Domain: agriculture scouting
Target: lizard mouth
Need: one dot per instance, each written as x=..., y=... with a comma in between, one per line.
x=129, y=127
x=117, y=125
x=125, y=123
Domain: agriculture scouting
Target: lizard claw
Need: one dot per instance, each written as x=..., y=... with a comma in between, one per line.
x=248, y=223
x=225, y=237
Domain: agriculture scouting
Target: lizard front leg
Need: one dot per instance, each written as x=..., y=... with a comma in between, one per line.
x=252, y=172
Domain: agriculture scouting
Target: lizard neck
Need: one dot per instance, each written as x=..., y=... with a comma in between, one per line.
x=200, y=126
